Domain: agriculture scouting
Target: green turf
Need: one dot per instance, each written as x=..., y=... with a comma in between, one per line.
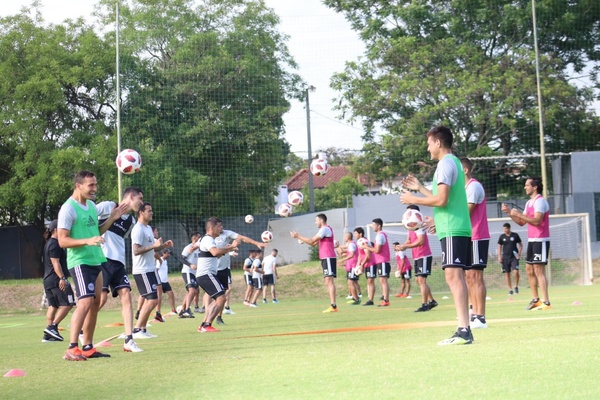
x=258, y=354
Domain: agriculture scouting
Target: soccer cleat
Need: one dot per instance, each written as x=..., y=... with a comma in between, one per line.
x=131, y=347
x=158, y=317
x=207, y=328
x=220, y=321
x=478, y=323
x=510, y=292
x=369, y=303
x=516, y=290
x=143, y=335
x=457, y=339
x=350, y=301
x=330, y=309
x=355, y=302
x=253, y=305
x=185, y=314
x=93, y=353
x=381, y=298
x=74, y=354
x=349, y=297
x=384, y=303
x=408, y=296
x=48, y=339
x=423, y=308
x=432, y=304
x=228, y=311
x=264, y=301
x=544, y=306
x=275, y=301
x=360, y=295
x=400, y=295
x=246, y=303
x=53, y=331
x=533, y=304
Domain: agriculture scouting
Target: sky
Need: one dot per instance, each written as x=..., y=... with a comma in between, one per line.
x=321, y=42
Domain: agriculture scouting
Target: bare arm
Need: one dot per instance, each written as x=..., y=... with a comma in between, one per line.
x=156, y=246
x=67, y=242
x=309, y=241
x=248, y=240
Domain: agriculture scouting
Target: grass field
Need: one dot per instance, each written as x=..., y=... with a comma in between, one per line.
x=291, y=350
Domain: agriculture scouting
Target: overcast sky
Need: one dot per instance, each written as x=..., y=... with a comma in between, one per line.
x=321, y=41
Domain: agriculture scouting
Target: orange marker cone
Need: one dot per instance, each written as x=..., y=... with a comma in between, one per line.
x=14, y=372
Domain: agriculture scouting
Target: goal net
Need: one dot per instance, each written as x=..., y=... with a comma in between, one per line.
x=570, y=260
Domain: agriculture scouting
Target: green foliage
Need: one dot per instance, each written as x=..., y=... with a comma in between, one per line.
x=471, y=66
x=335, y=195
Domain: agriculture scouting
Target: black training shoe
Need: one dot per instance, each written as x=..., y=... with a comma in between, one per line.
x=53, y=331
x=432, y=304
x=49, y=339
x=220, y=321
x=369, y=303
x=516, y=289
x=423, y=308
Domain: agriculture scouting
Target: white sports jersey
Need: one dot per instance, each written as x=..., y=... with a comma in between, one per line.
x=223, y=240
x=324, y=232
x=256, y=267
x=142, y=235
x=114, y=238
x=207, y=264
x=191, y=257
x=268, y=263
x=248, y=264
x=163, y=270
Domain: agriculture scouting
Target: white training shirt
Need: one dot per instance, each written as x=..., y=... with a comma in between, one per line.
x=206, y=265
x=248, y=264
x=268, y=263
x=142, y=235
x=223, y=240
x=324, y=232
x=191, y=257
x=447, y=171
x=114, y=244
x=256, y=265
x=67, y=214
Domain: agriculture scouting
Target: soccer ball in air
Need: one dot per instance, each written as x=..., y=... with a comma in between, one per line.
x=129, y=161
x=266, y=236
x=412, y=220
x=249, y=219
x=285, y=210
x=319, y=167
x=295, y=198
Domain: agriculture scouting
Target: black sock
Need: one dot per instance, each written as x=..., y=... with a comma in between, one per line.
x=73, y=345
x=334, y=305
x=128, y=338
x=88, y=347
x=136, y=330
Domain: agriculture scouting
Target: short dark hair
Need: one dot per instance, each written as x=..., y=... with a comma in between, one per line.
x=395, y=243
x=506, y=225
x=466, y=163
x=143, y=207
x=359, y=230
x=378, y=221
x=323, y=217
x=81, y=175
x=443, y=134
x=537, y=182
x=413, y=207
x=195, y=233
x=132, y=190
x=212, y=222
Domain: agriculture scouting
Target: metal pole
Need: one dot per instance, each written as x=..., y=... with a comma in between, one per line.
x=540, y=111
x=311, y=189
x=118, y=102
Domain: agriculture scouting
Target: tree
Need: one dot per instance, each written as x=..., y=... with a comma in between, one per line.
x=468, y=65
x=335, y=195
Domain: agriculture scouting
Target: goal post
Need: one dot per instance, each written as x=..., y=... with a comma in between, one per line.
x=570, y=261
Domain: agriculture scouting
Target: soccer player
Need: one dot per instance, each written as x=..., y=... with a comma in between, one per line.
x=405, y=268
x=257, y=277
x=162, y=270
x=452, y=222
x=349, y=260
x=271, y=275
x=143, y=246
x=480, y=244
x=418, y=242
x=224, y=264
x=365, y=264
x=381, y=260
x=59, y=293
x=536, y=216
x=324, y=238
x=248, y=277
x=80, y=234
x=114, y=274
x=189, y=263
x=206, y=272
x=510, y=247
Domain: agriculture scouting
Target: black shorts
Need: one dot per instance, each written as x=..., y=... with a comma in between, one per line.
x=223, y=276
x=384, y=269
x=84, y=279
x=147, y=284
x=370, y=272
x=114, y=277
x=248, y=279
x=57, y=298
x=479, y=253
x=537, y=252
x=351, y=275
x=329, y=266
x=229, y=280
x=456, y=252
x=407, y=274
x=510, y=264
x=423, y=266
x=268, y=279
x=211, y=285
x=189, y=280
x=166, y=287
x=257, y=283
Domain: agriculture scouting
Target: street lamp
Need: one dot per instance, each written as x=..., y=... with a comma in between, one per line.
x=311, y=189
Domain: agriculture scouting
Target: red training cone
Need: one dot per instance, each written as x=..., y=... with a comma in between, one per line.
x=14, y=372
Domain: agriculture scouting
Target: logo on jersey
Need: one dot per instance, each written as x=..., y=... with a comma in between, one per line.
x=537, y=257
x=91, y=221
x=91, y=287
